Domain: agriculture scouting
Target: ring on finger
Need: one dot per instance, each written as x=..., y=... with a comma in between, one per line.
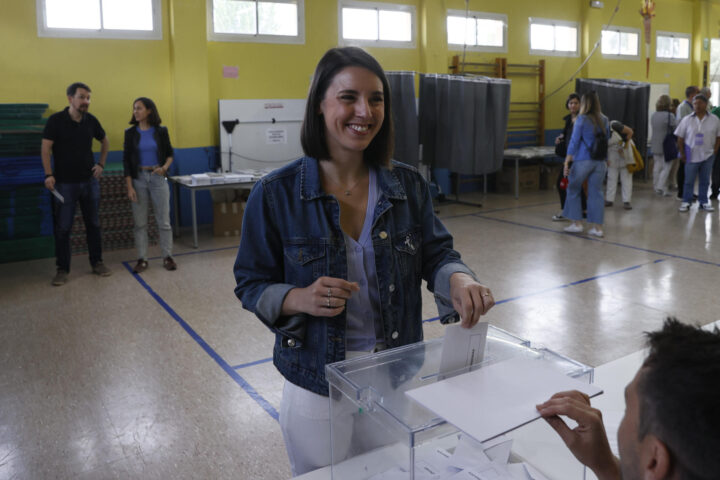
x=328, y=303
x=329, y=293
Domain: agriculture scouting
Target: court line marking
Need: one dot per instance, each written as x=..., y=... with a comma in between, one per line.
x=259, y=399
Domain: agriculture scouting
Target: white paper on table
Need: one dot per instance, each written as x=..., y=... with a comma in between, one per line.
x=500, y=452
x=462, y=347
x=497, y=398
x=58, y=196
x=533, y=472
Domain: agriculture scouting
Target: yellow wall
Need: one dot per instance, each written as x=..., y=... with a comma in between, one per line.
x=183, y=71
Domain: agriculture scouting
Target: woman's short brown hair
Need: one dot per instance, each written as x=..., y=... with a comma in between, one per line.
x=312, y=136
x=663, y=103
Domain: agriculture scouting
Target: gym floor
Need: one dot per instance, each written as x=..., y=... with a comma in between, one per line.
x=164, y=375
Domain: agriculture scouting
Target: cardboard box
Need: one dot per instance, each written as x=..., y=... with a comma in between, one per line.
x=528, y=176
x=227, y=218
x=549, y=175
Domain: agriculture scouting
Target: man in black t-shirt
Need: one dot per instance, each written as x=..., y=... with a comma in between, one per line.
x=73, y=177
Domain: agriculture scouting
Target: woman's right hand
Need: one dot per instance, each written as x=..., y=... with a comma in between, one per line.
x=132, y=195
x=325, y=297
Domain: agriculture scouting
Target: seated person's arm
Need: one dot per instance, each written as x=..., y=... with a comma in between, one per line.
x=588, y=441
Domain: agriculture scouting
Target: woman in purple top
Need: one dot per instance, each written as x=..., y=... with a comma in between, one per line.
x=147, y=156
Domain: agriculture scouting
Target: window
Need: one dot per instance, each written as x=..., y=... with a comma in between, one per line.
x=672, y=47
x=621, y=42
x=130, y=19
x=553, y=37
x=376, y=24
x=482, y=32
x=276, y=21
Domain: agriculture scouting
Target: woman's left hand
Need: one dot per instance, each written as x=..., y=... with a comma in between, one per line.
x=469, y=298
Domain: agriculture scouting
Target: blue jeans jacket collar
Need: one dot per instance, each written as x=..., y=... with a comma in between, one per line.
x=310, y=188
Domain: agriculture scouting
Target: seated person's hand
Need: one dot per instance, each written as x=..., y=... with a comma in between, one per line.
x=588, y=441
x=469, y=298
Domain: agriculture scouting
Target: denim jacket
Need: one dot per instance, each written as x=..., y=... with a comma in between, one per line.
x=291, y=235
x=583, y=136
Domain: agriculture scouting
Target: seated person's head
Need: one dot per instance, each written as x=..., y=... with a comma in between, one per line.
x=671, y=427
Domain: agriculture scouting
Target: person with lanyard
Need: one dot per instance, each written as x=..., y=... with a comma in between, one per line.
x=72, y=174
x=698, y=141
x=683, y=110
x=335, y=245
x=147, y=156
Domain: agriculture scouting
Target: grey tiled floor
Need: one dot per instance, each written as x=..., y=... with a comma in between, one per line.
x=147, y=377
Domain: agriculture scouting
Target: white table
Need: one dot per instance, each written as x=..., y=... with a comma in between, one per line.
x=526, y=153
x=177, y=183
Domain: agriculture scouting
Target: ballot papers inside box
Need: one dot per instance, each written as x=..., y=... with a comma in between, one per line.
x=380, y=432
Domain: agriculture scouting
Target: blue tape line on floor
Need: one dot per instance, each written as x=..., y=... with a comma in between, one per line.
x=566, y=285
x=250, y=364
x=617, y=244
x=208, y=349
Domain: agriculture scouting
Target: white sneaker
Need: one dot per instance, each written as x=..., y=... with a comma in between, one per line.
x=707, y=207
x=574, y=228
x=684, y=207
x=596, y=232
x=558, y=218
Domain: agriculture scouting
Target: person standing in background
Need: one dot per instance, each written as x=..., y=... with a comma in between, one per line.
x=73, y=176
x=561, y=142
x=584, y=167
x=617, y=144
x=147, y=156
x=662, y=122
x=683, y=110
x=715, y=176
x=698, y=142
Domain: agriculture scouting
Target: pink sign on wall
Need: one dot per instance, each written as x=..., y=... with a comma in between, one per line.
x=230, y=72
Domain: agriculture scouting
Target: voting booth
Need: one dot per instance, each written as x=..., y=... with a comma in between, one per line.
x=379, y=429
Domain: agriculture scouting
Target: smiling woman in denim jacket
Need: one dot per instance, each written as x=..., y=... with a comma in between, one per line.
x=147, y=156
x=335, y=245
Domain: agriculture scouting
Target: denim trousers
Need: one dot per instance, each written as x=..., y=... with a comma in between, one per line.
x=594, y=172
x=88, y=195
x=716, y=176
x=702, y=171
x=151, y=187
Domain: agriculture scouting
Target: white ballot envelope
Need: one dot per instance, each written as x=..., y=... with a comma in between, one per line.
x=58, y=196
x=498, y=398
x=462, y=347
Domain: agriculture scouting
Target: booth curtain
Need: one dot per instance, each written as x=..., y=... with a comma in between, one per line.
x=402, y=97
x=463, y=122
x=622, y=100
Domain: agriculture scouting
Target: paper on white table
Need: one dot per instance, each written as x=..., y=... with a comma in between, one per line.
x=497, y=398
x=462, y=347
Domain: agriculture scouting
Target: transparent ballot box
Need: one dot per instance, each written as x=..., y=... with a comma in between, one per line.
x=378, y=432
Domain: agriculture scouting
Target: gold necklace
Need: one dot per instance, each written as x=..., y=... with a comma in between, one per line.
x=346, y=191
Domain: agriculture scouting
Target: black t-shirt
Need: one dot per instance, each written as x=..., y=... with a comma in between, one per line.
x=72, y=145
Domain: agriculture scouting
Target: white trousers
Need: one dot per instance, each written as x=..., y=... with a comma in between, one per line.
x=661, y=172
x=305, y=425
x=612, y=179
